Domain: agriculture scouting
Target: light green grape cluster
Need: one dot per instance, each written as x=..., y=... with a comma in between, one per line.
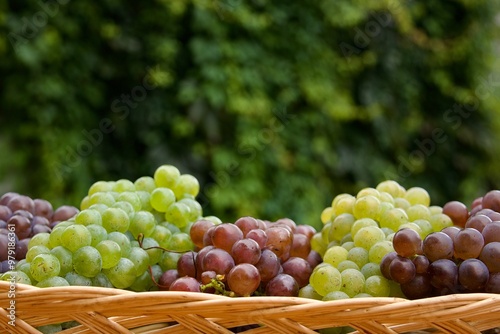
x=357, y=232
x=119, y=237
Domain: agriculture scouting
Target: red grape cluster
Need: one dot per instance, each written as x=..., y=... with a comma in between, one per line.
x=462, y=258
x=246, y=258
x=21, y=217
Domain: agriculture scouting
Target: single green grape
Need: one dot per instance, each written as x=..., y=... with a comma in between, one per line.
x=353, y=282
x=401, y=203
x=88, y=217
x=371, y=269
x=65, y=258
x=377, y=286
x=327, y=215
x=99, y=207
x=195, y=209
x=358, y=255
x=105, y=198
x=335, y=295
x=44, y=266
x=337, y=198
x=145, y=198
x=98, y=234
x=368, y=192
x=340, y=226
x=162, y=235
x=344, y=205
x=166, y=176
x=162, y=198
x=439, y=221
x=140, y=258
x=36, y=250
x=52, y=281
x=99, y=186
x=360, y=223
x=347, y=264
x=143, y=282
x=75, y=237
x=143, y=222
x=87, y=261
x=123, y=185
x=186, y=184
x=26, y=268
x=122, y=240
x=55, y=236
x=40, y=239
x=385, y=197
x=115, y=220
x=150, y=245
x=379, y=250
x=317, y=244
x=125, y=206
x=132, y=198
x=308, y=291
x=391, y=187
x=16, y=275
x=110, y=253
x=101, y=280
x=85, y=203
x=178, y=214
x=368, y=236
x=393, y=218
x=181, y=242
x=418, y=211
x=418, y=195
x=335, y=255
x=145, y=183
x=348, y=245
x=366, y=207
x=122, y=275
x=326, y=279
x=425, y=227
x=74, y=278
x=169, y=260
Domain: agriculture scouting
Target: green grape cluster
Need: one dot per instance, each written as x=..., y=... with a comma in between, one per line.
x=125, y=235
x=357, y=233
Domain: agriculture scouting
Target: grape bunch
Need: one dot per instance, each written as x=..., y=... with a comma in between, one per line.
x=245, y=258
x=120, y=236
x=358, y=233
x=21, y=218
x=462, y=258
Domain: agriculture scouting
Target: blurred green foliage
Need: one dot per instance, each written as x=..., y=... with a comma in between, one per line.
x=275, y=106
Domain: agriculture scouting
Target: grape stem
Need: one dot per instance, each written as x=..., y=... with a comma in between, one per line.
x=219, y=287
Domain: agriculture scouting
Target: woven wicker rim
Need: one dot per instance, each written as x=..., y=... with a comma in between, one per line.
x=106, y=310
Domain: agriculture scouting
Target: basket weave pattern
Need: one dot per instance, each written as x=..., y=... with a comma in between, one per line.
x=106, y=310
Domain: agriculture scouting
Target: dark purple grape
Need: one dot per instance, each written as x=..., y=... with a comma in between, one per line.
x=5, y=212
x=421, y=263
x=473, y=274
x=490, y=255
x=246, y=251
x=186, y=265
x=444, y=274
x=218, y=260
x=268, y=265
x=22, y=248
x=407, y=242
x=493, y=284
x=64, y=212
x=43, y=208
x=402, y=270
x=419, y=287
x=22, y=226
x=7, y=197
x=167, y=278
x=438, y=245
x=301, y=246
x=386, y=262
x=21, y=202
x=299, y=269
x=478, y=222
x=282, y=285
x=314, y=258
x=258, y=235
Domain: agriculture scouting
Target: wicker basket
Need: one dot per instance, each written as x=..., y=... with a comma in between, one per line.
x=105, y=310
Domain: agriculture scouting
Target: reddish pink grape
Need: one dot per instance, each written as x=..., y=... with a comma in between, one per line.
x=491, y=232
x=246, y=251
x=407, y=242
x=385, y=264
x=301, y=246
x=306, y=230
x=491, y=200
x=167, y=278
x=21, y=202
x=7, y=197
x=402, y=270
x=451, y=231
x=246, y=224
x=478, y=222
x=198, y=231
x=282, y=285
x=286, y=222
x=468, y=243
x=64, y=212
x=186, y=265
x=299, y=269
x=243, y=279
x=457, y=211
x=218, y=260
x=225, y=235
x=438, y=245
x=207, y=238
x=279, y=241
x=314, y=258
x=186, y=283
x=268, y=265
x=473, y=274
x=5, y=212
x=258, y=235
x=43, y=208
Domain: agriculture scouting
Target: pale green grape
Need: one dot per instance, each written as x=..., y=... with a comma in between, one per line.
x=36, y=250
x=387, y=231
x=377, y=286
x=143, y=222
x=52, y=281
x=122, y=275
x=40, y=239
x=150, y=245
x=169, y=260
x=98, y=234
x=348, y=245
x=195, y=210
x=115, y=220
x=412, y=226
x=186, y=184
x=102, y=198
x=371, y=269
x=99, y=207
x=435, y=209
x=317, y=243
x=390, y=237
x=360, y=223
x=335, y=255
x=178, y=214
x=327, y=215
x=308, y=291
x=385, y=197
x=145, y=198
x=26, y=268
x=181, y=242
x=162, y=198
x=326, y=279
x=166, y=176
x=368, y=236
x=384, y=206
x=55, y=236
x=346, y=238
x=132, y=198
x=425, y=227
x=101, y=280
x=162, y=235
x=401, y=203
x=393, y=218
x=75, y=237
x=187, y=228
x=123, y=185
x=64, y=224
x=347, y=264
x=391, y=187
x=143, y=282
x=344, y=205
x=171, y=227
x=337, y=198
x=353, y=282
x=325, y=233
x=125, y=206
x=214, y=219
x=379, y=250
x=85, y=203
x=88, y=217
x=335, y=295
x=333, y=244
x=65, y=258
x=140, y=258
x=44, y=266
x=122, y=241
x=439, y=221
x=418, y=195
x=366, y=207
x=145, y=183
x=418, y=211
x=74, y=278
x=110, y=253
x=99, y=186
x=363, y=295
x=368, y=192
x=17, y=275
x=340, y=226
x=20, y=263
x=87, y=261
x=358, y=255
